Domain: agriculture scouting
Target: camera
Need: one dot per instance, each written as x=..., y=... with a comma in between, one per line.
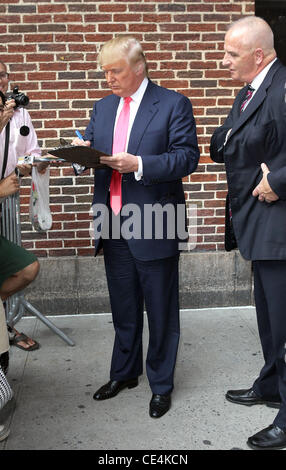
x=21, y=99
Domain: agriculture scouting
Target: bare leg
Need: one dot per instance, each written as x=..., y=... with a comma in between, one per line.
x=15, y=283
x=18, y=281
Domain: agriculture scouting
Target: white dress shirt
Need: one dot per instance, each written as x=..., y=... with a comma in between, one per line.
x=134, y=106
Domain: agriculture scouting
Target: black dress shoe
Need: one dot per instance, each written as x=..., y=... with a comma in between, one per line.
x=159, y=405
x=269, y=438
x=249, y=398
x=113, y=387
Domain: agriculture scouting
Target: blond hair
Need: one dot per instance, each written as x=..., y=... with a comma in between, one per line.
x=123, y=47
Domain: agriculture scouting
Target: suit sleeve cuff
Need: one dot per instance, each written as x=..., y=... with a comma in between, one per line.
x=138, y=174
x=276, y=180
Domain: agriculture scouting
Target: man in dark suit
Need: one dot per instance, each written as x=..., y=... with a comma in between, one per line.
x=252, y=144
x=150, y=133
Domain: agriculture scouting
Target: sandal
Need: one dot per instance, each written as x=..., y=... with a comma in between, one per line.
x=21, y=337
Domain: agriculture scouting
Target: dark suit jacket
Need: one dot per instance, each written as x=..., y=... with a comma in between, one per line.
x=164, y=135
x=258, y=136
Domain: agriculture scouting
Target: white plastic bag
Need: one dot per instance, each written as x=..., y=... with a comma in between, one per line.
x=40, y=214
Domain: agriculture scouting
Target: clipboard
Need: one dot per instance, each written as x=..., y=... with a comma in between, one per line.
x=84, y=156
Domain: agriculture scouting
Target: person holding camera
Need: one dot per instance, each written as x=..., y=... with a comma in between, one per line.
x=17, y=138
x=22, y=139
x=18, y=268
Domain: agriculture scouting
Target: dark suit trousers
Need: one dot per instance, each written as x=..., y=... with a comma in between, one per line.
x=131, y=282
x=270, y=299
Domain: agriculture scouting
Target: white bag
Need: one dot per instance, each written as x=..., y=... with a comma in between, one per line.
x=6, y=392
x=40, y=214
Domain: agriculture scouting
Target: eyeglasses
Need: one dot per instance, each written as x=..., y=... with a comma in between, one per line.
x=4, y=75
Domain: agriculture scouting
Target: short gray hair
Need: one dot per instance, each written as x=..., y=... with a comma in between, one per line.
x=258, y=33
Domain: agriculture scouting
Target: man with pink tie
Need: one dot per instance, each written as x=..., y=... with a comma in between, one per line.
x=150, y=133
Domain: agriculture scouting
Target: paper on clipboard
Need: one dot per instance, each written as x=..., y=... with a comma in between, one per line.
x=85, y=156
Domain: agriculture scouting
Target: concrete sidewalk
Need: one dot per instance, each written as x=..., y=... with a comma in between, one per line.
x=53, y=386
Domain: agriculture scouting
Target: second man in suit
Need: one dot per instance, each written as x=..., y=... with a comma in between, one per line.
x=252, y=144
x=150, y=133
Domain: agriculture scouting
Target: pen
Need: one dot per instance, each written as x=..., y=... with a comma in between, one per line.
x=79, y=134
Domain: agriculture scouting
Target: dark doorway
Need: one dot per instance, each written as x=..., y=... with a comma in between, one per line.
x=274, y=12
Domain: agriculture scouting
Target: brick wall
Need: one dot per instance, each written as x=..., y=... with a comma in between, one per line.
x=52, y=48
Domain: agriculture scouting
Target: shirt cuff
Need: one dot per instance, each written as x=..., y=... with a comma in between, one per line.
x=138, y=174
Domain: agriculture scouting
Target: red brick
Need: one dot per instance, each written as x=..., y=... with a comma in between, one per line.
x=39, y=76
x=142, y=7
x=49, y=244
x=128, y=18
x=79, y=28
x=153, y=18
x=57, y=66
x=38, y=38
x=113, y=7
x=85, y=252
x=201, y=27
x=71, y=94
x=19, y=48
x=174, y=46
x=68, y=37
x=147, y=28
x=51, y=85
x=97, y=18
x=58, y=123
x=66, y=18
x=75, y=243
x=45, y=95
x=10, y=19
x=110, y=27
x=51, y=8
x=36, y=19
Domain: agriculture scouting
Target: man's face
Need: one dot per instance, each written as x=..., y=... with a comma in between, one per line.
x=122, y=78
x=239, y=59
x=4, y=79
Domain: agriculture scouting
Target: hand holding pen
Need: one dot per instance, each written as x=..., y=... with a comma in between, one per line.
x=79, y=169
x=79, y=140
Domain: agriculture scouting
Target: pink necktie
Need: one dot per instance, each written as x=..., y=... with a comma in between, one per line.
x=119, y=144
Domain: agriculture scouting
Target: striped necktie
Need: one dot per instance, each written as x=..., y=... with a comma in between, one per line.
x=249, y=94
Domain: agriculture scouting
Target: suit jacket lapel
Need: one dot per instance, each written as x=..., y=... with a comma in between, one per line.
x=146, y=112
x=256, y=100
x=110, y=117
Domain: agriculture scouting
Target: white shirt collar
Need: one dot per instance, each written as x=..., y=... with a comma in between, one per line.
x=256, y=82
x=138, y=95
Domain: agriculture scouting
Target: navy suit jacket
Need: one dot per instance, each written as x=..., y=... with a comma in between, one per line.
x=164, y=135
x=258, y=136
